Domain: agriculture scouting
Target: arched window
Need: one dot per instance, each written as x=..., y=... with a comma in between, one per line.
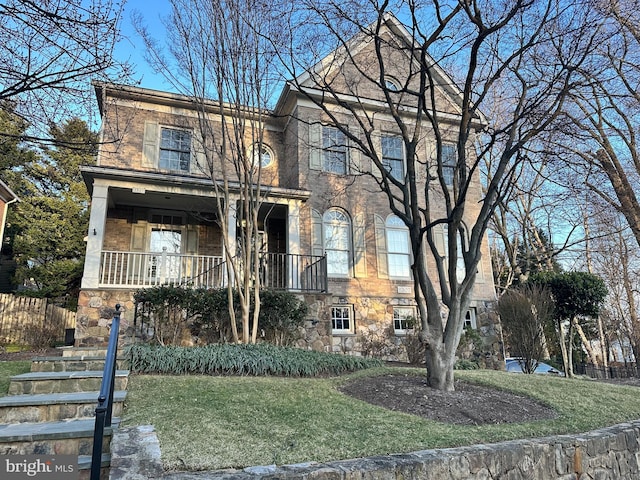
x=398, y=251
x=337, y=242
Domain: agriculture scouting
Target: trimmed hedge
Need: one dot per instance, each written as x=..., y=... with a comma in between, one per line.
x=230, y=359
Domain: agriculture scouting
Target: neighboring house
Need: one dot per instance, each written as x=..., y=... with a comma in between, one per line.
x=7, y=263
x=327, y=230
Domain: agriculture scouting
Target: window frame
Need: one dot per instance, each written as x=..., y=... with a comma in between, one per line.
x=328, y=225
x=172, y=150
x=472, y=322
x=334, y=149
x=264, y=149
x=393, y=224
x=449, y=161
x=397, y=320
x=343, y=308
x=386, y=158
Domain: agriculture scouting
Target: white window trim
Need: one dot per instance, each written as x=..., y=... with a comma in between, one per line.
x=404, y=153
x=347, y=161
x=387, y=228
x=349, y=250
x=473, y=319
x=402, y=331
x=192, y=158
x=343, y=331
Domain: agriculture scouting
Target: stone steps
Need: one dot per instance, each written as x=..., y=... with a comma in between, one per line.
x=48, y=407
x=84, y=352
x=72, y=364
x=62, y=382
x=51, y=411
x=73, y=437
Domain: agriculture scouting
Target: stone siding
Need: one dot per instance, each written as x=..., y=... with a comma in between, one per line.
x=611, y=453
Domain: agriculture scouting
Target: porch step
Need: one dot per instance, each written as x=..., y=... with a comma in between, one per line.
x=71, y=364
x=72, y=437
x=50, y=407
x=84, y=352
x=61, y=382
x=84, y=466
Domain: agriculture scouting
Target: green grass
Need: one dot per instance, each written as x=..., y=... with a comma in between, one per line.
x=7, y=370
x=208, y=422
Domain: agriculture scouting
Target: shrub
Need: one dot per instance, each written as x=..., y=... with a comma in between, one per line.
x=227, y=359
x=416, y=351
x=172, y=310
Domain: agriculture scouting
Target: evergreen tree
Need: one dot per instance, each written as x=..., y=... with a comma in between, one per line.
x=49, y=224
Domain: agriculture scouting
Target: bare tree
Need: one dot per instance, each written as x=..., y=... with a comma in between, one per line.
x=522, y=55
x=50, y=51
x=599, y=133
x=217, y=51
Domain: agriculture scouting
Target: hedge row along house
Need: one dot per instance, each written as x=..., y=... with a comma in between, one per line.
x=325, y=229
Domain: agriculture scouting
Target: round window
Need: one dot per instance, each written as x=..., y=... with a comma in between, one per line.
x=265, y=157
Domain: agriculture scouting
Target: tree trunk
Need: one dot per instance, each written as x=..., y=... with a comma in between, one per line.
x=585, y=342
x=563, y=347
x=439, y=363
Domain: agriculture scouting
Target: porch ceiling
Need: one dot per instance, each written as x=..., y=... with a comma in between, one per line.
x=161, y=200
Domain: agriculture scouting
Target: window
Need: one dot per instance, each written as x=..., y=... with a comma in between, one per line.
x=165, y=240
x=391, y=84
x=398, y=252
x=470, y=319
x=265, y=157
x=341, y=319
x=334, y=150
x=337, y=243
x=404, y=318
x=449, y=160
x=461, y=269
x=175, y=149
x=393, y=156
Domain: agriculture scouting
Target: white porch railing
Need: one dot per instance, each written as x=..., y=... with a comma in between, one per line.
x=277, y=270
x=134, y=269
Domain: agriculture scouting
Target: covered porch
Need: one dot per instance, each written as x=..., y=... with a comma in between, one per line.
x=148, y=229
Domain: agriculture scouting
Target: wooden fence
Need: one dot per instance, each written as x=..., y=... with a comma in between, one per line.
x=33, y=321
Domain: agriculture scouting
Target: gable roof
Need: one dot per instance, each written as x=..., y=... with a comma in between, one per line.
x=335, y=59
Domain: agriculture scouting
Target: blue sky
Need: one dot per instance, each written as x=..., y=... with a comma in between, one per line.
x=132, y=48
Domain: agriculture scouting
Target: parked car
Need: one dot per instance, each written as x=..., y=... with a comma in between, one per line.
x=514, y=365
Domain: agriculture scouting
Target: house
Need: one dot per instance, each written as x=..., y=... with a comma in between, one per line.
x=327, y=231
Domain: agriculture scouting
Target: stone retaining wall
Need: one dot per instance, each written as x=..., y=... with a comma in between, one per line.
x=611, y=453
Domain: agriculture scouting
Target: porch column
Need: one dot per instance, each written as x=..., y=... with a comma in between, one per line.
x=293, y=242
x=232, y=225
x=95, y=236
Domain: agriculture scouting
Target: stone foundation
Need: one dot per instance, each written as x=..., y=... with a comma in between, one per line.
x=611, y=453
x=373, y=333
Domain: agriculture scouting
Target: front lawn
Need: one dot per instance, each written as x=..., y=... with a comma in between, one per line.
x=206, y=422
x=7, y=370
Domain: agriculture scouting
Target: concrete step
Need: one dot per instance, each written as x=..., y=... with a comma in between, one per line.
x=84, y=351
x=84, y=466
x=71, y=364
x=49, y=407
x=72, y=437
x=62, y=382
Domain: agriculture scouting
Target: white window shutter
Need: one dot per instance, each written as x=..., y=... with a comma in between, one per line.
x=355, y=163
x=317, y=247
x=381, y=247
x=139, y=237
x=376, y=139
x=198, y=154
x=191, y=244
x=150, y=144
x=315, y=146
x=359, y=246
